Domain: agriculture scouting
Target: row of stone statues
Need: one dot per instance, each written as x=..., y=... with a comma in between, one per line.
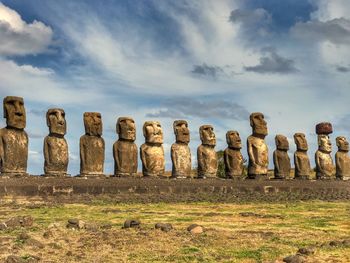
x=14, y=149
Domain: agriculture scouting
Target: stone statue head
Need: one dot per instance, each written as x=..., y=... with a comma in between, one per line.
x=342, y=144
x=258, y=123
x=152, y=130
x=207, y=135
x=14, y=112
x=55, y=120
x=324, y=143
x=300, y=141
x=233, y=140
x=93, y=123
x=182, y=133
x=126, y=128
x=281, y=142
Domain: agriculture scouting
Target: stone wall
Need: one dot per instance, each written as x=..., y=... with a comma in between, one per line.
x=165, y=190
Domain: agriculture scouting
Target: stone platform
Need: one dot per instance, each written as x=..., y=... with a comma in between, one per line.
x=169, y=190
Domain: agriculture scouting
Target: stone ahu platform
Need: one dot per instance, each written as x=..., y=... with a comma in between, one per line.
x=147, y=190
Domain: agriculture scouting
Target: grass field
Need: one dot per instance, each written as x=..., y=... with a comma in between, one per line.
x=233, y=232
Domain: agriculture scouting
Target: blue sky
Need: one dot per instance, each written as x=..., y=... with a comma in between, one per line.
x=210, y=62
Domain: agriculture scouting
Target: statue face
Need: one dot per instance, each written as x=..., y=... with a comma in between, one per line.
x=300, y=141
x=181, y=131
x=207, y=135
x=258, y=123
x=152, y=130
x=233, y=140
x=93, y=123
x=55, y=119
x=282, y=142
x=342, y=144
x=324, y=143
x=126, y=128
x=14, y=112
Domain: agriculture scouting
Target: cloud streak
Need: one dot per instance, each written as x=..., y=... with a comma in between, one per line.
x=273, y=63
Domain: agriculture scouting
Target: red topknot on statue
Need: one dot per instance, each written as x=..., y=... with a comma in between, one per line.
x=324, y=128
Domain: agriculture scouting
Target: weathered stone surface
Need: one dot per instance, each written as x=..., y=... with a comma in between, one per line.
x=195, y=229
x=55, y=145
x=301, y=159
x=180, y=152
x=280, y=158
x=324, y=128
x=75, y=224
x=257, y=147
x=13, y=138
x=206, y=154
x=165, y=227
x=132, y=223
x=294, y=259
x=342, y=159
x=323, y=158
x=92, y=146
x=233, y=157
x=152, y=151
x=125, y=150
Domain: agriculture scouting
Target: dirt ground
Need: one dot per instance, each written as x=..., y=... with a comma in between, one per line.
x=249, y=232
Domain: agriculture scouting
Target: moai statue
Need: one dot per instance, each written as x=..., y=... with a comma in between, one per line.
x=180, y=152
x=233, y=157
x=55, y=145
x=206, y=155
x=342, y=159
x=152, y=151
x=323, y=158
x=280, y=158
x=257, y=148
x=92, y=146
x=13, y=139
x=301, y=159
x=125, y=150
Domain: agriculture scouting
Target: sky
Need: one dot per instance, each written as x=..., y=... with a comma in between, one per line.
x=209, y=62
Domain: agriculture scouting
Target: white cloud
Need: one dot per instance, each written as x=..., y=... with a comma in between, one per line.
x=20, y=38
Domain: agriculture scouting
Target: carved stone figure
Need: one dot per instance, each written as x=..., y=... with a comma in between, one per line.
x=323, y=158
x=233, y=157
x=125, y=150
x=55, y=145
x=301, y=159
x=92, y=146
x=180, y=152
x=257, y=148
x=280, y=158
x=152, y=152
x=342, y=159
x=206, y=155
x=13, y=138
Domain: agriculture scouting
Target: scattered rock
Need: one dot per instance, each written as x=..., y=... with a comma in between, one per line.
x=335, y=243
x=195, y=229
x=307, y=251
x=166, y=227
x=294, y=259
x=133, y=223
x=19, y=221
x=69, y=254
x=75, y=224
